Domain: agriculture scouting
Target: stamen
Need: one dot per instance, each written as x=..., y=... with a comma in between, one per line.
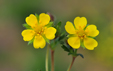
x=44, y=27
x=35, y=24
x=44, y=32
x=32, y=27
x=31, y=31
x=81, y=37
x=39, y=32
x=39, y=21
x=84, y=26
x=80, y=27
x=39, y=35
x=85, y=36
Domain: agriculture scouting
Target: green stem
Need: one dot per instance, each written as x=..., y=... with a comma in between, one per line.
x=70, y=66
x=47, y=53
x=52, y=60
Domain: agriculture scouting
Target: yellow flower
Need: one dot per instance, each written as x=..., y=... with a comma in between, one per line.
x=80, y=34
x=39, y=30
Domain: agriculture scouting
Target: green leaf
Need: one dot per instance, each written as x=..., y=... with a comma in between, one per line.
x=49, y=24
x=57, y=26
x=61, y=37
x=65, y=48
x=71, y=50
x=62, y=42
x=37, y=16
x=63, y=33
x=30, y=42
x=47, y=40
x=75, y=52
x=82, y=45
x=56, y=40
x=70, y=53
x=71, y=35
x=59, y=23
x=80, y=55
x=54, y=43
x=91, y=37
x=27, y=26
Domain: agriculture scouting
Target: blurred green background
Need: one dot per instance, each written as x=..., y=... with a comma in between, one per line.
x=16, y=55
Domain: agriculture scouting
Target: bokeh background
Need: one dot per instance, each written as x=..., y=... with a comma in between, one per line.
x=16, y=55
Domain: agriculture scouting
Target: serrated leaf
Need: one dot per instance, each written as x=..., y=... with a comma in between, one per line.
x=61, y=42
x=65, y=48
x=75, y=52
x=58, y=29
x=56, y=40
x=63, y=33
x=71, y=50
x=54, y=43
x=80, y=55
x=61, y=37
x=27, y=26
x=69, y=53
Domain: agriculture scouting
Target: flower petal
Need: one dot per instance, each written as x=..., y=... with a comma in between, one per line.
x=50, y=33
x=80, y=23
x=69, y=28
x=31, y=20
x=91, y=30
x=28, y=34
x=44, y=19
x=39, y=42
x=90, y=43
x=74, y=42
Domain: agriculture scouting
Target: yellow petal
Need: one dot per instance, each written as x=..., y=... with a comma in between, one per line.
x=44, y=19
x=91, y=30
x=31, y=20
x=69, y=28
x=80, y=23
x=90, y=43
x=39, y=42
x=74, y=42
x=50, y=33
x=27, y=34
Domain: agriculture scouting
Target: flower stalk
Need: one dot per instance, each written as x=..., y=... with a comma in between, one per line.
x=52, y=60
x=70, y=66
x=47, y=55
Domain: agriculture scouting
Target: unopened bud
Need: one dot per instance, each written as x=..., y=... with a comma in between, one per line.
x=51, y=16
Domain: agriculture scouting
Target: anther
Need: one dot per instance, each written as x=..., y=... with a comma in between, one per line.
x=81, y=37
x=85, y=36
x=44, y=32
x=83, y=26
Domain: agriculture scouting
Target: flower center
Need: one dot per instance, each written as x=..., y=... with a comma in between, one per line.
x=81, y=33
x=39, y=29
